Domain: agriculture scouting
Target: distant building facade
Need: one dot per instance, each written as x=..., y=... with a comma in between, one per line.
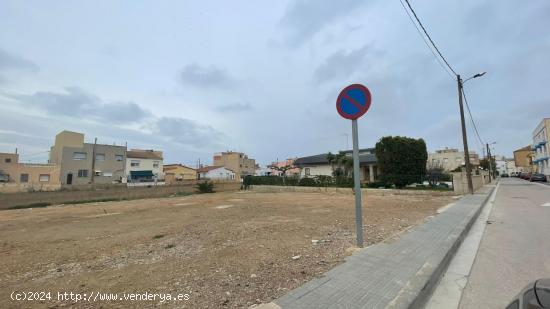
x=237, y=162
x=288, y=162
x=144, y=165
x=85, y=163
x=523, y=159
x=450, y=159
x=15, y=176
x=541, y=154
x=178, y=172
x=216, y=173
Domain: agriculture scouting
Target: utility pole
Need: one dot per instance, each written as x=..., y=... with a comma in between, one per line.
x=93, y=161
x=464, y=138
x=489, y=160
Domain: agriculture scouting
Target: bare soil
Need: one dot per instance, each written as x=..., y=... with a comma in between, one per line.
x=231, y=249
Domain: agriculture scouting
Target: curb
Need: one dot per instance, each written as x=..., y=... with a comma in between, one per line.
x=402, y=273
x=421, y=287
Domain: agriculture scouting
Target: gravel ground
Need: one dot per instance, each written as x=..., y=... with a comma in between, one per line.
x=231, y=249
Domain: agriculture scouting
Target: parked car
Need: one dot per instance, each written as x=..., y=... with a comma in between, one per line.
x=504, y=175
x=538, y=177
x=526, y=176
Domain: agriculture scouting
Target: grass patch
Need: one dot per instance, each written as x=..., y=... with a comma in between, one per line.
x=182, y=193
x=159, y=236
x=33, y=205
x=169, y=246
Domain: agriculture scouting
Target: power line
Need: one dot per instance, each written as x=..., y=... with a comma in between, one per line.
x=33, y=154
x=472, y=119
x=429, y=38
x=425, y=41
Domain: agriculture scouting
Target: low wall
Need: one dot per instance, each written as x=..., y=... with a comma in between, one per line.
x=460, y=182
x=271, y=189
x=8, y=200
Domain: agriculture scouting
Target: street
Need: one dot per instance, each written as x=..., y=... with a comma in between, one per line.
x=515, y=248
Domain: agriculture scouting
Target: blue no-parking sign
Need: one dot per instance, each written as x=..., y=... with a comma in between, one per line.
x=354, y=101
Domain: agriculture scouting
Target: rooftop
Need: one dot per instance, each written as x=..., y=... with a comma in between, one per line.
x=144, y=154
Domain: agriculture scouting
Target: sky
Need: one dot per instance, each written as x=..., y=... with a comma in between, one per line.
x=192, y=78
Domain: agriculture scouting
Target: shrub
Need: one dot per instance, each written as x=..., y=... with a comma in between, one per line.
x=342, y=181
x=205, y=187
x=307, y=182
x=378, y=184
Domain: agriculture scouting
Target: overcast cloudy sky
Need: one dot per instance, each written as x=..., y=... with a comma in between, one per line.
x=197, y=77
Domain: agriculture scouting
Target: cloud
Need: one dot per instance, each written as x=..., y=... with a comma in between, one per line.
x=187, y=132
x=235, y=107
x=75, y=102
x=9, y=61
x=341, y=64
x=305, y=18
x=206, y=77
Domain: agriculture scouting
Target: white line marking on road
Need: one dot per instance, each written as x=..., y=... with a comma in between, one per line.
x=545, y=205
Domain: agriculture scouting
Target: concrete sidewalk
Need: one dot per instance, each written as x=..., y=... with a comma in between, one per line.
x=394, y=274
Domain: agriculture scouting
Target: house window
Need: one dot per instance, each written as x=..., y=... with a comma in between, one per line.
x=79, y=156
x=306, y=171
x=97, y=173
x=44, y=178
x=82, y=173
x=134, y=163
x=24, y=178
x=119, y=157
x=108, y=174
x=7, y=160
x=155, y=164
x=100, y=157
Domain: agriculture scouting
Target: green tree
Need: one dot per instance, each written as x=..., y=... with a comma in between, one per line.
x=401, y=160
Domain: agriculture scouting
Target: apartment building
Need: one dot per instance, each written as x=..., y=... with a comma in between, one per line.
x=541, y=154
x=450, y=159
x=85, y=163
x=15, y=176
x=144, y=165
x=523, y=159
x=237, y=162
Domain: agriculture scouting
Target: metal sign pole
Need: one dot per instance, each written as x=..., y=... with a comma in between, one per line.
x=357, y=184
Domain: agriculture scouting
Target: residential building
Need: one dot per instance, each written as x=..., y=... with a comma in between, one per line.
x=511, y=168
x=178, y=172
x=288, y=162
x=263, y=171
x=451, y=159
x=237, y=162
x=523, y=159
x=144, y=165
x=318, y=165
x=85, y=163
x=15, y=176
x=541, y=158
x=500, y=162
x=216, y=173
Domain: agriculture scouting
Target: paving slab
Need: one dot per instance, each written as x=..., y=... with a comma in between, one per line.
x=398, y=273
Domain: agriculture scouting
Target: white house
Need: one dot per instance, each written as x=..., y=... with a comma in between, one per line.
x=144, y=165
x=215, y=173
x=318, y=165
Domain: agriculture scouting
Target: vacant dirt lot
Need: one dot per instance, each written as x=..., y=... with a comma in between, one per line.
x=224, y=249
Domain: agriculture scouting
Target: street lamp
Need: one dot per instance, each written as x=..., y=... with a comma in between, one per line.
x=460, y=83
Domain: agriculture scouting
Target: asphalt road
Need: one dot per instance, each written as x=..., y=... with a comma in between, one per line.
x=515, y=248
